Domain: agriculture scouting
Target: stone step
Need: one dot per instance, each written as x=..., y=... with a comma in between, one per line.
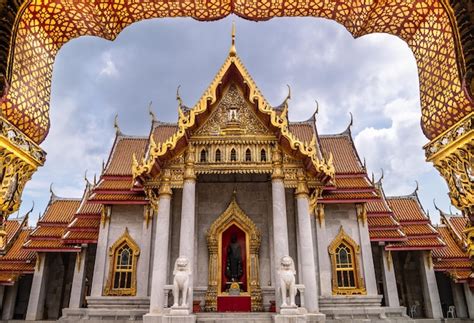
x=235, y=317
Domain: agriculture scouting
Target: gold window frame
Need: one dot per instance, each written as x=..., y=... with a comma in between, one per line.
x=359, y=288
x=109, y=289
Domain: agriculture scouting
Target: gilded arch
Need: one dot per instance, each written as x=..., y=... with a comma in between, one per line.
x=233, y=215
x=124, y=240
x=41, y=28
x=343, y=239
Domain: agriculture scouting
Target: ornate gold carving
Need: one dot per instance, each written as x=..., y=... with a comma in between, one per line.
x=320, y=213
x=109, y=289
x=189, y=160
x=470, y=240
x=233, y=215
x=277, y=163
x=148, y=214
x=302, y=186
x=19, y=159
x=343, y=238
x=104, y=215
x=361, y=209
x=313, y=200
x=452, y=154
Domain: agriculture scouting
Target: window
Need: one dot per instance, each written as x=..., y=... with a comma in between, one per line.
x=218, y=155
x=123, y=255
x=345, y=267
x=233, y=155
x=263, y=155
x=203, y=158
x=346, y=279
x=123, y=268
x=248, y=155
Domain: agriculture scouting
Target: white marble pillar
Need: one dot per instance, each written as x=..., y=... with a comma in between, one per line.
x=389, y=281
x=469, y=295
x=78, y=280
x=160, y=257
x=308, y=268
x=9, y=303
x=366, y=251
x=143, y=266
x=324, y=262
x=459, y=300
x=101, y=254
x=187, y=229
x=38, y=289
x=432, y=303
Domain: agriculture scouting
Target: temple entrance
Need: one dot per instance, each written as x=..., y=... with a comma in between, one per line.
x=233, y=242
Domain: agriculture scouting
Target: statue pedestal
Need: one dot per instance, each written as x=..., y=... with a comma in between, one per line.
x=179, y=314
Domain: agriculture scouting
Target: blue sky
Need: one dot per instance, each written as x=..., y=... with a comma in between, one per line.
x=374, y=77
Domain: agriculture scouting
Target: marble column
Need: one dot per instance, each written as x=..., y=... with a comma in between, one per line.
x=101, y=256
x=38, y=289
x=367, y=261
x=280, y=225
x=389, y=281
x=308, y=268
x=324, y=262
x=469, y=295
x=9, y=303
x=143, y=266
x=459, y=300
x=188, y=218
x=78, y=280
x=431, y=298
x=160, y=257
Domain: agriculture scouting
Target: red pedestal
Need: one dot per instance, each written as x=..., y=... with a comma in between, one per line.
x=233, y=304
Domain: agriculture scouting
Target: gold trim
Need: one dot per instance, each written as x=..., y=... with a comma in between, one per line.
x=343, y=238
x=132, y=291
x=361, y=209
x=233, y=215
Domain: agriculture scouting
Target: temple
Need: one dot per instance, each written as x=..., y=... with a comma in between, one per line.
x=235, y=209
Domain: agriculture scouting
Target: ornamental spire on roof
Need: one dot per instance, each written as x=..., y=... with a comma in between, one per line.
x=233, y=51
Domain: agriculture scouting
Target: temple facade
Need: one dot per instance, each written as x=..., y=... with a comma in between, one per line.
x=235, y=209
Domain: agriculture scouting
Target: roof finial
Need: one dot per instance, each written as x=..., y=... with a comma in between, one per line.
x=95, y=179
x=86, y=179
x=103, y=166
x=416, y=188
x=32, y=207
x=233, y=51
x=317, y=108
x=150, y=111
x=381, y=176
x=352, y=120
x=53, y=196
x=436, y=207
x=116, y=126
x=373, y=178
x=178, y=97
x=364, y=165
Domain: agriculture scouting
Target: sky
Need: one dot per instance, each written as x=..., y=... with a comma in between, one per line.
x=374, y=78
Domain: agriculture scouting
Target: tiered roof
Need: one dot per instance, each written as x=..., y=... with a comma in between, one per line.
x=84, y=227
x=453, y=260
x=16, y=261
x=115, y=184
x=421, y=235
x=52, y=226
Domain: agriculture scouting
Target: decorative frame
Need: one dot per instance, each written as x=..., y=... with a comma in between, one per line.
x=343, y=238
x=233, y=215
x=132, y=291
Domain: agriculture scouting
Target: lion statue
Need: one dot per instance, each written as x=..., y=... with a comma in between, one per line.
x=181, y=272
x=287, y=274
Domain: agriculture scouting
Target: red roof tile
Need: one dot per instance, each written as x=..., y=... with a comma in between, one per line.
x=344, y=153
x=121, y=157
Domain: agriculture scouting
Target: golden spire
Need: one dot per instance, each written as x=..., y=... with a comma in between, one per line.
x=233, y=51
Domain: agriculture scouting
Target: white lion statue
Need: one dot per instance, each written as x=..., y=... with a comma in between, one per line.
x=181, y=272
x=287, y=274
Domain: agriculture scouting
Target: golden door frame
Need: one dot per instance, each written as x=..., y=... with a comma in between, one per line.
x=233, y=215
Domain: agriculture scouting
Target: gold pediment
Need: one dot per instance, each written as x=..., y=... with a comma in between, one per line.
x=232, y=116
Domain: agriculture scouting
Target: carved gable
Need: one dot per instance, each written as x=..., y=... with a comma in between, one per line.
x=233, y=115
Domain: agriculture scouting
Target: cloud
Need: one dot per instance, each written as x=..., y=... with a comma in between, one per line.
x=108, y=69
